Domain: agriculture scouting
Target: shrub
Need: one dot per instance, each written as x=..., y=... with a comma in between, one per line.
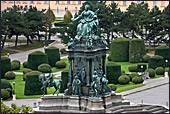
x=133, y=75
x=145, y=58
x=160, y=71
x=136, y=50
x=4, y=94
x=109, y=58
x=53, y=55
x=137, y=80
x=52, y=15
x=25, y=64
x=36, y=58
x=67, y=16
x=5, y=66
x=63, y=50
x=24, y=73
x=10, y=75
x=44, y=68
x=123, y=72
x=113, y=71
x=119, y=51
x=156, y=61
x=123, y=79
x=32, y=83
x=139, y=69
x=15, y=65
x=64, y=77
x=60, y=64
x=151, y=72
x=5, y=84
x=112, y=87
x=132, y=68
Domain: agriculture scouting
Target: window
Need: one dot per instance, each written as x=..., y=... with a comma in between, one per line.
x=138, y=2
x=154, y=3
x=112, y=1
x=31, y=2
x=17, y=2
x=45, y=2
x=124, y=3
x=68, y=2
x=79, y=2
x=57, y=2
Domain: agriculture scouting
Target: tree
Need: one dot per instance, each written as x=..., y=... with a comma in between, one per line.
x=67, y=16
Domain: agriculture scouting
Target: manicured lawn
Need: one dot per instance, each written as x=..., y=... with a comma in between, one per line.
x=59, y=17
x=4, y=52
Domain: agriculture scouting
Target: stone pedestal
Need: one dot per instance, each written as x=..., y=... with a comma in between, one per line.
x=73, y=103
x=166, y=74
x=14, y=97
x=107, y=101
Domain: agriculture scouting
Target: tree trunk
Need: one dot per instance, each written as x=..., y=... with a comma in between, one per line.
x=28, y=40
x=3, y=42
x=49, y=34
x=16, y=41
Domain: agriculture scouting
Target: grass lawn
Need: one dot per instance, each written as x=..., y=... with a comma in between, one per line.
x=59, y=17
x=4, y=52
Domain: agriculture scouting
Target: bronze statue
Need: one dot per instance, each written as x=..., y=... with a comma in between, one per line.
x=76, y=86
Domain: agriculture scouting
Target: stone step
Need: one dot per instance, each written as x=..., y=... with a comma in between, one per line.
x=133, y=108
x=118, y=111
x=154, y=109
x=135, y=111
x=59, y=111
x=160, y=111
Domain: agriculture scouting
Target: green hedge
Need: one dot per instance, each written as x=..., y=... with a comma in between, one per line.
x=156, y=61
x=10, y=75
x=136, y=50
x=132, y=68
x=5, y=66
x=113, y=71
x=160, y=71
x=25, y=64
x=24, y=73
x=5, y=94
x=132, y=75
x=145, y=58
x=5, y=84
x=53, y=55
x=60, y=64
x=137, y=80
x=36, y=58
x=119, y=51
x=65, y=79
x=15, y=65
x=44, y=68
x=112, y=87
x=32, y=83
x=139, y=69
x=123, y=79
x=151, y=72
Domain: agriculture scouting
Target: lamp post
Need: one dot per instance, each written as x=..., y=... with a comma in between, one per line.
x=49, y=37
x=166, y=72
x=14, y=96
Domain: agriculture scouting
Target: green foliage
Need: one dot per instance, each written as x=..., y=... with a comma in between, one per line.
x=5, y=84
x=64, y=77
x=5, y=66
x=156, y=61
x=24, y=73
x=119, y=50
x=113, y=71
x=132, y=75
x=145, y=58
x=160, y=71
x=109, y=58
x=139, y=69
x=67, y=16
x=63, y=50
x=112, y=87
x=151, y=72
x=15, y=65
x=52, y=16
x=10, y=75
x=132, y=68
x=136, y=50
x=44, y=68
x=32, y=83
x=137, y=80
x=60, y=64
x=123, y=79
x=36, y=58
x=5, y=94
x=123, y=72
x=53, y=55
x=25, y=64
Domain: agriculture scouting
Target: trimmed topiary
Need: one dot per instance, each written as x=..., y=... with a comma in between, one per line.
x=145, y=58
x=15, y=65
x=156, y=61
x=123, y=72
x=44, y=68
x=63, y=50
x=65, y=79
x=151, y=72
x=53, y=55
x=67, y=16
x=10, y=75
x=5, y=94
x=124, y=79
x=36, y=58
x=60, y=64
x=136, y=50
x=113, y=71
x=5, y=66
x=119, y=51
x=112, y=87
x=24, y=73
x=109, y=58
x=5, y=84
x=32, y=83
x=132, y=75
x=137, y=80
x=132, y=68
x=160, y=71
x=25, y=64
x=139, y=69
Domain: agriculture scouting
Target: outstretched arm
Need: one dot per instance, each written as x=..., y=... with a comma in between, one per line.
x=80, y=16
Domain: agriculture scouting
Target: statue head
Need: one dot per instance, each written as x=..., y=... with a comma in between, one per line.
x=95, y=72
x=76, y=77
x=87, y=7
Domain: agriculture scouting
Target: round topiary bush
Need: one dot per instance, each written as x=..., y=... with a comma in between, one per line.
x=132, y=75
x=5, y=94
x=5, y=84
x=160, y=71
x=123, y=79
x=60, y=64
x=123, y=72
x=25, y=64
x=145, y=58
x=36, y=58
x=132, y=68
x=25, y=71
x=5, y=66
x=44, y=68
x=10, y=75
x=151, y=72
x=15, y=65
x=119, y=50
x=136, y=50
x=137, y=80
x=112, y=87
x=53, y=55
x=63, y=50
x=139, y=69
x=156, y=61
